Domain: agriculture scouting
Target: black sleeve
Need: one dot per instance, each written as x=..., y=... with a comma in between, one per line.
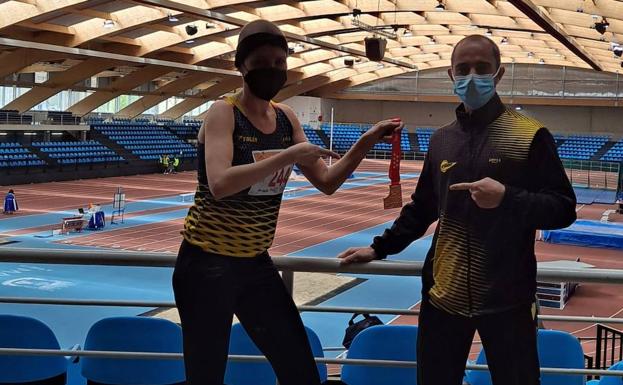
x=550, y=202
x=414, y=219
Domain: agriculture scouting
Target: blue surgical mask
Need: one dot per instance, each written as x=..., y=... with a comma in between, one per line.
x=475, y=90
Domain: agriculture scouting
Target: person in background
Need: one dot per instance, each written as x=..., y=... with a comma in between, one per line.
x=170, y=164
x=161, y=163
x=491, y=178
x=165, y=164
x=10, y=203
x=176, y=164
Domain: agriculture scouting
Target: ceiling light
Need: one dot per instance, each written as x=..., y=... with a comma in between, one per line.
x=356, y=12
x=191, y=29
x=518, y=108
x=504, y=40
x=488, y=33
x=541, y=61
x=407, y=33
x=210, y=26
x=57, y=133
x=109, y=23
x=172, y=18
x=190, y=41
x=431, y=40
x=440, y=6
x=530, y=54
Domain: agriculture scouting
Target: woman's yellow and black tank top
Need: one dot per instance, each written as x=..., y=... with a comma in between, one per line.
x=241, y=225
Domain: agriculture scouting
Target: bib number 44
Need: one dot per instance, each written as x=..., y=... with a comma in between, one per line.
x=274, y=184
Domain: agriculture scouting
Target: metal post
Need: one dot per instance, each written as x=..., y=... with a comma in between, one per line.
x=564, y=80
x=331, y=137
x=512, y=80
x=417, y=77
x=616, y=95
x=590, y=170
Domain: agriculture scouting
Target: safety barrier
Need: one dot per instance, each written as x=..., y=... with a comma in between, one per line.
x=287, y=265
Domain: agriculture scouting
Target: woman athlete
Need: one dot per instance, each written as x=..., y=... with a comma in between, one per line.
x=247, y=148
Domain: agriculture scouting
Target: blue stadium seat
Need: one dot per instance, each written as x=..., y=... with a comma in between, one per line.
x=138, y=334
x=557, y=349
x=29, y=333
x=612, y=380
x=385, y=342
x=242, y=373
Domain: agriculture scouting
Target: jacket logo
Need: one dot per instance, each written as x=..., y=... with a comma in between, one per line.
x=445, y=165
x=495, y=160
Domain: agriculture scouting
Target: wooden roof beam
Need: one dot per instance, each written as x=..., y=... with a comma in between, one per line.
x=544, y=21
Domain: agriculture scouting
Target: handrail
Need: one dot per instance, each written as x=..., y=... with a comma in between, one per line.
x=286, y=264
x=305, y=264
x=246, y=358
x=301, y=308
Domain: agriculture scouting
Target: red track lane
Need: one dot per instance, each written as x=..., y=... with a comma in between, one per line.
x=303, y=222
x=54, y=196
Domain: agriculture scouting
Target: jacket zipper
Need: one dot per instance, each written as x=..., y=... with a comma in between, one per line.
x=467, y=225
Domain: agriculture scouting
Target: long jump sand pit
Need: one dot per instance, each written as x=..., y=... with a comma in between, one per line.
x=309, y=289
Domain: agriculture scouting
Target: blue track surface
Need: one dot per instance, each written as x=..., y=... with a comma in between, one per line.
x=376, y=291
x=586, y=196
x=588, y=233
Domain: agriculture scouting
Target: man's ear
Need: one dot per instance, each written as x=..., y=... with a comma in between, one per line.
x=450, y=74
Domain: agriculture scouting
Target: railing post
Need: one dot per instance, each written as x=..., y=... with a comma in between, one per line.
x=513, y=79
x=564, y=80
x=616, y=94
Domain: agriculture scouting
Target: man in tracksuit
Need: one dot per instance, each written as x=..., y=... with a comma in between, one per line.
x=491, y=178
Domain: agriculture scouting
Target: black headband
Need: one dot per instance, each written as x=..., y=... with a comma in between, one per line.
x=252, y=42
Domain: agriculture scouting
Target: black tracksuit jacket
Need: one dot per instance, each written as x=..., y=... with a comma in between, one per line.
x=482, y=260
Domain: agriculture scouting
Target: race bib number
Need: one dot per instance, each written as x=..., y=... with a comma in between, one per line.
x=273, y=184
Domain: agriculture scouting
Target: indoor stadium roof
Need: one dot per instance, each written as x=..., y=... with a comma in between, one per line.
x=188, y=44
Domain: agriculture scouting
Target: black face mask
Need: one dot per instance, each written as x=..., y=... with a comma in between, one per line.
x=265, y=83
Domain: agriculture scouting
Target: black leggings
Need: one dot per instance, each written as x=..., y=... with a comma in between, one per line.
x=209, y=289
x=509, y=339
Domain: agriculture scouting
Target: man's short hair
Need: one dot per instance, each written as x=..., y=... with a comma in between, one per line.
x=496, y=50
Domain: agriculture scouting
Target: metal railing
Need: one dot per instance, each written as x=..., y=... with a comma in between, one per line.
x=38, y=118
x=594, y=174
x=287, y=265
x=607, y=335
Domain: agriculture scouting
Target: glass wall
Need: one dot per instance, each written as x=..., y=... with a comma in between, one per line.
x=519, y=80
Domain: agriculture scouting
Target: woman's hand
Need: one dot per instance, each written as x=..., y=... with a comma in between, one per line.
x=307, y=154
x=383, y=130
